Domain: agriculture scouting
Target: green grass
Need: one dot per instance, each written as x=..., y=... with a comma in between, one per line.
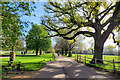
x=31, y=62
x=105, y=57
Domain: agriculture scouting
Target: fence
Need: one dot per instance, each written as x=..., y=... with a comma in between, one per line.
x=84, y=59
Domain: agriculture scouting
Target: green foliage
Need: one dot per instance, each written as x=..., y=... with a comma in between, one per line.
x=37, y=38
x=31, y=62
x=20, y=45
x=76, y=15
x=72, y=18
x=51, y=50
x=12, y=26
x=111, y=46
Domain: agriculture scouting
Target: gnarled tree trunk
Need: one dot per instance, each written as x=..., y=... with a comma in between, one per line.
x=70, y=54
x=98, y=51
x=65, y=52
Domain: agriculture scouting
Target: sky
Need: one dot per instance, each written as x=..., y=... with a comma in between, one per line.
x=39, y=12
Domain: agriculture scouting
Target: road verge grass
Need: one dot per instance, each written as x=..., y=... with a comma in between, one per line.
x=107, y=65
x=31, y=62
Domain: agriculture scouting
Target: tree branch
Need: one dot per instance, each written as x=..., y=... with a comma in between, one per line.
x=47, y=26
x=114, y=39
x=107, y=12
x=80, y=32
x=92, y=11
x=113, y=22
x=104, y=24
x=69, y=27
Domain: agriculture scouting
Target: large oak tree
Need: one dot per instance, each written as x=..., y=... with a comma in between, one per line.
x=92, y=19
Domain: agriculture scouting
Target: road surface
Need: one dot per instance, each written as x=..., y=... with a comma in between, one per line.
x=68, y=68
x=65, y=68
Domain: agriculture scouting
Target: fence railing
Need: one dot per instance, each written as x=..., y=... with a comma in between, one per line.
x=84, y=59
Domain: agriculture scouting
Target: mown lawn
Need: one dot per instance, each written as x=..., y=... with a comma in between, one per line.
x=31, y=62
x=105, y=57
x=109, y=65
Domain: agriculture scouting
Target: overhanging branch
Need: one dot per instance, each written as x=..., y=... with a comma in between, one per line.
x=107, y=11
x=113, y=22
x=80, y=32
x=91, y=12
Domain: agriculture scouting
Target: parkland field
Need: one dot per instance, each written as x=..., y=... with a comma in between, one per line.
x=108, y=61
x=30, y=61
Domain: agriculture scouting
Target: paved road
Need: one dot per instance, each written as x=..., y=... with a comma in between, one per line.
x=67, y=68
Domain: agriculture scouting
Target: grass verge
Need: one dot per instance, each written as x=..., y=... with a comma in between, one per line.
x=107, y=65
x=31, y=62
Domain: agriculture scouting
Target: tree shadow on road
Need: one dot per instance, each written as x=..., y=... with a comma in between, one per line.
x=71, y=70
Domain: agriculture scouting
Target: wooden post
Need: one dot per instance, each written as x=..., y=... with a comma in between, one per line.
x=77, y=58
x=80, y=57
x=113, y=65
x=85, y=59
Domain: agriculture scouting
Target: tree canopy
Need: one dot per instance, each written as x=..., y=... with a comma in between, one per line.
x=37, y=39
x=92, y=19
x=12, y=26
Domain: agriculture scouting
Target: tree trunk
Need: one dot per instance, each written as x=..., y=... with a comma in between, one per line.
x=100, y=39
x=37, y=52
x=40, y=52
x=12, y=54
x=26, y=51
x=98, y=52
x=65, y=52
x=70, y=54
